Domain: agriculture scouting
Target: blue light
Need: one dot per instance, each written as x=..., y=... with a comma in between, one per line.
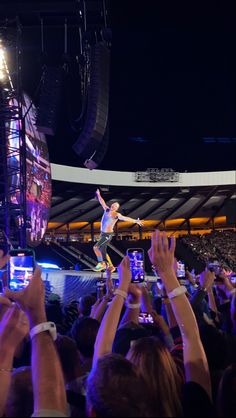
x=46, y=265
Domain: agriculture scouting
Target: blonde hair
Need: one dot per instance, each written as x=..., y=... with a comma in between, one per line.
x=158, y=369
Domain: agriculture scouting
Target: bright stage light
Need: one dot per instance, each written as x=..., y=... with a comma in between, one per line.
x=2, y=63
x=46, y=265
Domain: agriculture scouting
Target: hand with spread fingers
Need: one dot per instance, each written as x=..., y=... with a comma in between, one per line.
x=161, y=254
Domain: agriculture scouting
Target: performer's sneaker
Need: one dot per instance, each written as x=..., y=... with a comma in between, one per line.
x=100, y=266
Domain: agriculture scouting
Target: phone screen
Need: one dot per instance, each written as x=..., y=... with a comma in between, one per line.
x=101, y=289
x=20, y=268
x=145, y=318
x=180, y=269
x=136, y=256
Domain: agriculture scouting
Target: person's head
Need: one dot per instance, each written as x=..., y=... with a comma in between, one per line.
x=84, y=332
x=69, y=356
x=20, y=402
x=226, y=400
x=125, y=335
x=85, y=305
x=157, y=367
x=114, y=389
x=115, y=206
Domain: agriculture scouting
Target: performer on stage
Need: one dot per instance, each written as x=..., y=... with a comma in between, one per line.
x=109, y=219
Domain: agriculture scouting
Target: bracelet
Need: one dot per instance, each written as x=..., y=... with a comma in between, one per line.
x=7, y=370
x=180, y=290
x=121, y=293
x=133, y=305
x=44, y=326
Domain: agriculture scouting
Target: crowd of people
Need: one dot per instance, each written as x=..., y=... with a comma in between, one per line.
x=218, y=245
x=96, y=357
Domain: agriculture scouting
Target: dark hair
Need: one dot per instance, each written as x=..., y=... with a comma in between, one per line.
x=115, y=390
x=85, y=304
x=68, y=354
x=84, y=332
x=125, y=335
x=226, y=401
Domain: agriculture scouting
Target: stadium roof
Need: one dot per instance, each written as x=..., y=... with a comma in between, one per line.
x=171, y=206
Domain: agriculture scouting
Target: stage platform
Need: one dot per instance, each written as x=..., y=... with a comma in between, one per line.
x=71, y=285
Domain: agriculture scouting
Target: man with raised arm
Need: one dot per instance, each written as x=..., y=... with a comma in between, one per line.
x=109, y=219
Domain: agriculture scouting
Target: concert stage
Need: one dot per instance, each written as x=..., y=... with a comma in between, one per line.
x=71, y=285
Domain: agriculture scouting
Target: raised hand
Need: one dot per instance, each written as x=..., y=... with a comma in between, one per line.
x=14, y=327
x=146, y=300
x=134, y=293
x=31, y=299
x=161, y=254
x=139, y=222
x=124, y=274
x=109, y=284
x=207, y=278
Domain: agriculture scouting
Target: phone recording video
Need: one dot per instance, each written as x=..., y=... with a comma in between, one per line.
x=145, y=318
x=101, y=289
x=180, y=269
x=136, y=256
x=20, y=268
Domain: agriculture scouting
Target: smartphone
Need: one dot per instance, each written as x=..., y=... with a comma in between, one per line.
x=101, y=289
x=145, y=318
x=20, y=268
x=180, y=269
x=136, y=256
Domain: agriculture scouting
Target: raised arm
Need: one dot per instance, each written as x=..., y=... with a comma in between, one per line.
x=47, y=377
x=108, y=327
x=195, y=362
x=101, y=200
x=128, y=219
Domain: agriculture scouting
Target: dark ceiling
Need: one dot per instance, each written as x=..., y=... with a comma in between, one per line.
x=173, y=79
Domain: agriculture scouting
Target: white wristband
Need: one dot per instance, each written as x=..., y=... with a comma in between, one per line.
x=133, y=305
x=44, y=326
x=120, y=293
x=180, y=290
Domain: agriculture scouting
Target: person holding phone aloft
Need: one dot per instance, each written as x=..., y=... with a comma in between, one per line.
x=109, y=219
